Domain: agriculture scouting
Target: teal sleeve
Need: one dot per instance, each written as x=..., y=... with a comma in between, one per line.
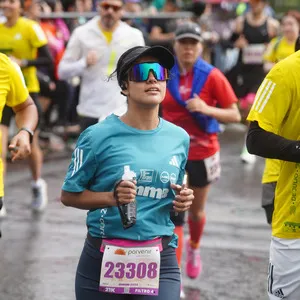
x=82, y=167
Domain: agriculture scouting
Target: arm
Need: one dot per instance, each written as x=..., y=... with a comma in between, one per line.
x=223, y=93
x=270, y=55
x=88, y=199
x=44, y=58
x=157, y=34
x=224, y=115
x=125, y=193
x=26, y=114
x=73, y=63
x=269, y=145
x=25, y=110
x=273, y=27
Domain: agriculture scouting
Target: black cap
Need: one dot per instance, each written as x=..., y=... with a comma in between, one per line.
x=129, y=57
x=188, y=30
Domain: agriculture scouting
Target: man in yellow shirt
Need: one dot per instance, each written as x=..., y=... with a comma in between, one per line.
x=13, y=93
x=279, y=49
x=275, y=133
x=24, y=41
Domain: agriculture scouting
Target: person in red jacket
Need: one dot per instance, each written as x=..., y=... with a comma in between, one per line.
x=198, y=97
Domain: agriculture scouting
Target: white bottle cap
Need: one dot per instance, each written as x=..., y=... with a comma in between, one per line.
x=128, y=175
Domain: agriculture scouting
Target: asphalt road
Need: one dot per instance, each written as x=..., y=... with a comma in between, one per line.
x=39, y=254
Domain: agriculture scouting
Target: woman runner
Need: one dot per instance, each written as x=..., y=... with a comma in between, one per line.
x=156, y=151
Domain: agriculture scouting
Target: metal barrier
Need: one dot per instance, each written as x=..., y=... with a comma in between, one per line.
x=147, y=15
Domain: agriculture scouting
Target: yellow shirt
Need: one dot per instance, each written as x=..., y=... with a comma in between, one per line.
x=22, y=41
x=277, y=109
x=277, y=50
x=108, y=35
x=12, y=93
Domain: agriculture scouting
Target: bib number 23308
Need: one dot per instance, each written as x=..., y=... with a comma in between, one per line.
x=130, y=270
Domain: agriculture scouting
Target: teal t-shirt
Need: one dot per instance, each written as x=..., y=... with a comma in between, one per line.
x=157, y=156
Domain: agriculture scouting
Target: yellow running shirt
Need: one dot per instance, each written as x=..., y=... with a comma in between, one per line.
x=277, y=109
x=22, y=41
x=278, y=49
x=12, y=92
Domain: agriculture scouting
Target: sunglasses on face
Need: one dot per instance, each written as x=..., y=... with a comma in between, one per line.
x=107, y=6
x=140, y=72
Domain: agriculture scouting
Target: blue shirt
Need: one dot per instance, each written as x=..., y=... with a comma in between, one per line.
x=157, y=156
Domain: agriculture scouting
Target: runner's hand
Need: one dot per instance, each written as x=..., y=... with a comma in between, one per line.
x=196, y=104
x=92, y=58
x=183, y=199
x=241, y=42
x=126, y=192
x=19, y=146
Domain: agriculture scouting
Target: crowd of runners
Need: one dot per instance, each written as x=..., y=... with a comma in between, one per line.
x=109, y=88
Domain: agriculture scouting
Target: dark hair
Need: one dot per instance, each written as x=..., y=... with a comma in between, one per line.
x=293, y=13
x=122, y=68
x=197, y=8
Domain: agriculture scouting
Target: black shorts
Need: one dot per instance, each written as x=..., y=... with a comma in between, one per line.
x=8, y=113
x=268, y=196
x=197, y=175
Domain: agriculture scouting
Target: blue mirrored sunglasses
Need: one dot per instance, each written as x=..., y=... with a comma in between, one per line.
x=140, y=72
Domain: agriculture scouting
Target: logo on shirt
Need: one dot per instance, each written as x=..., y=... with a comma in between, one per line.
x=164, y=177
x=146, y=175
x=174, y=162
x=77, y=160
x=18, y=36
x=263, y=95
x=173, y=178
x=152, y=192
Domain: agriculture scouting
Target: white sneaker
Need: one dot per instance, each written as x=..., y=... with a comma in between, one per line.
x=3, y=212
x=182, y=293
x=246, y=157
x=40, y=196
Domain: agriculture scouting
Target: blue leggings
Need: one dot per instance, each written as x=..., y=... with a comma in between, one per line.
x=88, y=276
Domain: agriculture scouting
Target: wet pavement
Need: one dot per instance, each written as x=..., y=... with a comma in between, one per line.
x=39, y=254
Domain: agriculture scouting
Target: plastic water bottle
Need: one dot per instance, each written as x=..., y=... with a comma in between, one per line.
x=128, y=211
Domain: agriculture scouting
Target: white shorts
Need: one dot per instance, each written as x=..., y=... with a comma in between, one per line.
x=284, y=269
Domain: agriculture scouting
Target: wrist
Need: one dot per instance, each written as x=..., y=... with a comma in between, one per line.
x=27, y=131
x=111, y=200
x=208, y=111
x=24, y=63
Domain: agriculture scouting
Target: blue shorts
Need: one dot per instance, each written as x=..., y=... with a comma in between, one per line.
x=88, y=276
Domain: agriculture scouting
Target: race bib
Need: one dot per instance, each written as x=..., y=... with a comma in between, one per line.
x=253, y=54
x=213, y=167
x=130, y=270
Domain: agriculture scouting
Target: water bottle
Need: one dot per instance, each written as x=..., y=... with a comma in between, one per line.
x=128, y=211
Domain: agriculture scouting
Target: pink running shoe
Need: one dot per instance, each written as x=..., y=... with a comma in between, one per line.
x=193, y=265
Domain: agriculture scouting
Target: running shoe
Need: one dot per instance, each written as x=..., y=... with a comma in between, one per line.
x=3, y=212
x=246, y=157
x=40, y=197
x=182, y=293
x=193, y=265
